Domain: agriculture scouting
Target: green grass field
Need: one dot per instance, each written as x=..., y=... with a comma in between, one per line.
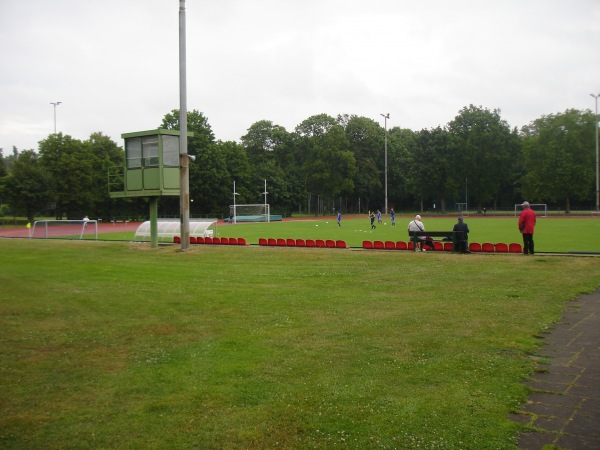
x=116, y=345
x=553, y=234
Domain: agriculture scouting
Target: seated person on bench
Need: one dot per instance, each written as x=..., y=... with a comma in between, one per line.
x=417, y=225
x=462, y=243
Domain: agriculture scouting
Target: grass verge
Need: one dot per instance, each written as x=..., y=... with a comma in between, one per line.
x=119, y=345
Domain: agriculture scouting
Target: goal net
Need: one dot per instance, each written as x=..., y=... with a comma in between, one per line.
x=540, y=208
x=461, y=207
x=65, y=229
x=250, y=213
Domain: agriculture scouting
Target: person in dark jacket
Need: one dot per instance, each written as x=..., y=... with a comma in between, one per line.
x=462, y=243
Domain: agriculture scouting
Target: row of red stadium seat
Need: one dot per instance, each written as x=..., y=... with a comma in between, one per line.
x=487, y=247
x=318, y=243
x=474, y=247
x=213, y=240
x=401, y=245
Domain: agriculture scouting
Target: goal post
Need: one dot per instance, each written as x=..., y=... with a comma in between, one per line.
x=461, y=207
x=540, y=208
x=250, y=213
x=64, y=229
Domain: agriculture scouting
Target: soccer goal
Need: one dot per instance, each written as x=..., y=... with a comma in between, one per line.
x=461, y=207
x=250, y=213
x=540, y=208
x=65, y=229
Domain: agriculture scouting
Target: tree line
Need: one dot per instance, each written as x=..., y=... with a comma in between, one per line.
x=325, y=164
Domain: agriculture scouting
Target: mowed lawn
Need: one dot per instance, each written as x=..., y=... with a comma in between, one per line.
x=117, y=345
x=553, y=234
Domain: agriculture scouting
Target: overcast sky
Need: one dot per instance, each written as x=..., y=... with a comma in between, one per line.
x=114, y=64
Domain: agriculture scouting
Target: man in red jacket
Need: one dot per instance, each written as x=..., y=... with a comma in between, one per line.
x=526, y=226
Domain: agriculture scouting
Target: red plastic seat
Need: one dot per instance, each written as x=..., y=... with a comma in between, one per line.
x=272, y=242
x=448, y=246
x=208, y=240
x=216, y=240
x=177, y=239
x=378, y=245
x=232, y=241
x=368, y=245
x=320, y=243
x=438, y=246
x=300, y=243
x=340, y=244
x=515, y=248
x=390, y=245
x=487, y=247
x=329, y=243
x=224, y=241
x=290, y=242
x=262, y=241
x=192, y=240
x=200, y=240
x=310, y=243
x=281, y=242
x=401, y=245
x=410, y=245
x=242, y=241
x=501, y=247
x=474, y=247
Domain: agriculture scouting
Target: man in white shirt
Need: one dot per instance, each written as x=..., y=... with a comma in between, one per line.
x=417, y=225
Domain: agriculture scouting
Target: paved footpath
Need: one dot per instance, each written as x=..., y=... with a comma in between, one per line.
x=565, y=407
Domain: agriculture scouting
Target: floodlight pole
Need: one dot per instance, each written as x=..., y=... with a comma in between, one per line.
x=385, y=118
x=597, y=165
x=265, y=194
x=234, y=209
x=55, y=105
x=184, y=177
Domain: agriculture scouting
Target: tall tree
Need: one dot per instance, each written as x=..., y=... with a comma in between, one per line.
x=558, y=159
x=106, y=154
x=2, y=164
x=197, y=123
x=366, y=141
x=269, y=149
x=484, y=150
x=329, y=165
x=25, y=187
x=70, y=164
x=431, y=168
x=402, y=143
x=210, y=182
x=206, y=192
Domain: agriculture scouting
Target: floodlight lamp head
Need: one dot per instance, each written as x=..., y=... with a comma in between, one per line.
x=192, y=158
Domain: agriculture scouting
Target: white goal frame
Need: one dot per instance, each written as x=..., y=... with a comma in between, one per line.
x=258, y=210
x=535, y=206
x=462, y=207
x=63, y=228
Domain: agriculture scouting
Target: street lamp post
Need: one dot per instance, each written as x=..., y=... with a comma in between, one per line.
x=597, y=165
x=385, y=118
x=55, y=105
x=184, y=174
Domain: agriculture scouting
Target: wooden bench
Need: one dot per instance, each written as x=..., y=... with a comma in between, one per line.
x=453, y=236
